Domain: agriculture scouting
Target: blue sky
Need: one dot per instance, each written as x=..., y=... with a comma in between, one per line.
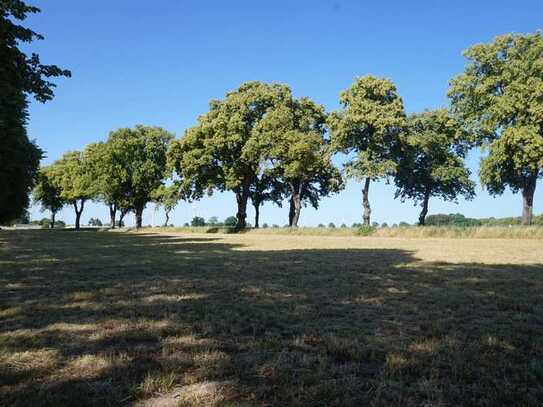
x=159, y=63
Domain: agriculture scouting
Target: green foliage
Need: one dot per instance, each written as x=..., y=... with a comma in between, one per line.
x=213, y=221
x=230, y=221
x=292, y=139
x=431, y=162
x=72, y=177
x=453, y=219
x=167, y=197
x=20, y=76
x=331, y=225
x=198, y=221
x=46, y=193
x=221, y=152
x=95, y=222
x=110, y=175
x=369, y=125
x=140, y=154
x=366, y=230
x=496, y=100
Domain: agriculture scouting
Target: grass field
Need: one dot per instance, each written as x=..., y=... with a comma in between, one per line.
x=102, y=318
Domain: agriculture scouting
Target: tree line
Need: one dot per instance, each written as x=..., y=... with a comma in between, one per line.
x=264, y=145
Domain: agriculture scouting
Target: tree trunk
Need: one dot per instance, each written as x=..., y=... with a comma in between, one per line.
x=295, y=204
x=78, y=212
x=366, y=202
x=290, y=211
x=242, y=197
x=424, y=212
x=528, y=201
x=112, y=213
x=257, y=213
x=139, y=216
x=167, y=218
x=53, y=216
x=121, y=217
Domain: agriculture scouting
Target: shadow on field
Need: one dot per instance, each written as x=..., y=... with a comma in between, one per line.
x=112, y=318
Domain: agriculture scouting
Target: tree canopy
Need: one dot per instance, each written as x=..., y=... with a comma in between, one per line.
x=167, y=197
x=47, y=194
x=498, y=99
x=369, y=126
x=292, y=138
x=74, y=179
x=140, y=158
x=431, y=163
x=20, y=76
x=221, y=152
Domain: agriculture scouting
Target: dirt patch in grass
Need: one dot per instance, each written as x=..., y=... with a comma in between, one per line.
x=96, y=318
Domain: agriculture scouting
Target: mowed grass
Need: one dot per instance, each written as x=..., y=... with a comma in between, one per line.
x=102, y=318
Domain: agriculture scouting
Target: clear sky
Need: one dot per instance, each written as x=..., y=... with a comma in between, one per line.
x=160, y=62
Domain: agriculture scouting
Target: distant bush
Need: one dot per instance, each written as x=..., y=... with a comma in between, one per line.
x=331, y=225
x=356, y=225
x=265, y=226
x=275, y=226
x=320, y=225
x=95, y=222
x=384, y=225
x=213, y=221
x=366, y=230
x=452, y=219
x=198, y=221
x=375, y=224
x=404, y=224
x=343, y=226
x=231, y=221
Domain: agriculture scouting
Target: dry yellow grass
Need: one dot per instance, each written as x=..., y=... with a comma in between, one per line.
x=449, y=232
x=99, y=318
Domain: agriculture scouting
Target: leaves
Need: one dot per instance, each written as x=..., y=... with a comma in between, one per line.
x=369, y=125
x=431, y=159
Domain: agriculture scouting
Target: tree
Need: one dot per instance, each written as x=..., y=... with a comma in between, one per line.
x=431, y=163
x=213, y=221
x=497, y=97
x=369, y=125
x=141, y=156
x=198, y=221
x=74, y=179
x=220, y=152
x=20, y=76
x=95, y=222
x=231, y=221
x=109, y=176
x=48, y=194
x=292, y=138
x=167, y=197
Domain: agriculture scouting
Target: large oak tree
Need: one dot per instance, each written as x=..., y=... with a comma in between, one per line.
x=431, y=161
x=20, y=76
x=499, y=100
x=139, y=157
x=221, y=152
x=292, y=138
x=47, y=194
x=73, y=177
x=368, y=127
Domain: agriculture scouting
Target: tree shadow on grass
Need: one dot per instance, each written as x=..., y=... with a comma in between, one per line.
x=105, y=318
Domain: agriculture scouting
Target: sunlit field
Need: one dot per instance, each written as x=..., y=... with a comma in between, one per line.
x=104, y=318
